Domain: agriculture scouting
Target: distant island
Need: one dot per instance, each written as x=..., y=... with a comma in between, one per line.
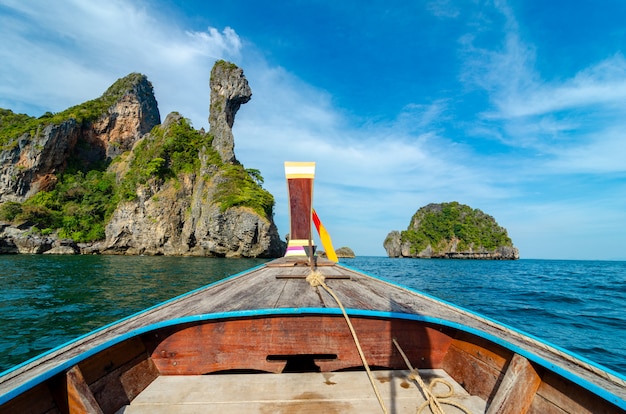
x=453, y=231
x=345, y=252
x=342, y=252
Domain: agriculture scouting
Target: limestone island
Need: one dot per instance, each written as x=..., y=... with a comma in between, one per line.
x=107, y=177
x=451, y=231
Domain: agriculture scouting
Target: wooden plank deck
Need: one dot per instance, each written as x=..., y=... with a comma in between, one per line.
x=342, y=392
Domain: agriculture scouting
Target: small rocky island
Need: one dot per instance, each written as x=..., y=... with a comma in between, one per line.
x=345, y=252
x=342, y=253
x=452, y=231
x=107, y=177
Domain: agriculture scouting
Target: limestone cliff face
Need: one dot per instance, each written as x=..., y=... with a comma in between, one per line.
x=134, y=114
x=229, y=90
x=30, y=163
x=166, y=220
x=181, y=217
x=393, y=244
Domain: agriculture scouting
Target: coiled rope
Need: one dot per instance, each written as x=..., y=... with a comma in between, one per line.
x=316, y=278
x=433, y=401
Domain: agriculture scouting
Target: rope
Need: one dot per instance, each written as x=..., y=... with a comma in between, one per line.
x=433, y=401
x=315, y=279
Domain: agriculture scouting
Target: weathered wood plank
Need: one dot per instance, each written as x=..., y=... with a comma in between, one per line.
x=39, y=400
x=483, y=350
x=298, y=293
x=517, y=389
x=345, y=392
x=122, y=385
x=360, y=294
x=110, y=359
x=557, y=396
x=79, y=397
x=246, y=344
x=261, y=293
x=477, y=368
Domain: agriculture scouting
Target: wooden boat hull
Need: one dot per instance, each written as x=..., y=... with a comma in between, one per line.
x=285, y=340
x=269, y=319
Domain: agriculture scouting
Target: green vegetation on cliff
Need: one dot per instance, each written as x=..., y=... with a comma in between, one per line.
x=242, y=188
x=175, y=150
x=78, y=207
x=14, y=125
x=82, y=202
x=164, y=154
x=438, y=225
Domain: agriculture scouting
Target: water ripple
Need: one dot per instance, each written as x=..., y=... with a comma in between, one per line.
x=49, y=300
x=577, y=305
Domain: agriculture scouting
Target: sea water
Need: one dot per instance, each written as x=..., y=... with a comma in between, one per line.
x=46, y=301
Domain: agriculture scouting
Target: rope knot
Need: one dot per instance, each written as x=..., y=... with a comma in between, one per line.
x=315, y=278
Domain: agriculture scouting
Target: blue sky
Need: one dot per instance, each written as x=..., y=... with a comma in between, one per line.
x=517, y=108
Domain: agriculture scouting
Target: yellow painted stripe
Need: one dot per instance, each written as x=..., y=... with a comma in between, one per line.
x=299, y=169
x=328, y=244
x=325, y=238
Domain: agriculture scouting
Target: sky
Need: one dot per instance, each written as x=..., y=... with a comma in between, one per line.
x=517, y=108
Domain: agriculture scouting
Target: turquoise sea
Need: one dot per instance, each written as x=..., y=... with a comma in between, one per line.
x=46, y=301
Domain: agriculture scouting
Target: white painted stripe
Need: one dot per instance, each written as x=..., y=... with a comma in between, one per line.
x=299, y=169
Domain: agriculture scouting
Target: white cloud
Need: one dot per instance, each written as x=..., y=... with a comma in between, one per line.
x=443, y=9
x=601, y=84
x=213, y=43
x=517, y=90
x=603, y=155
x=72, y=51
x=573, y=122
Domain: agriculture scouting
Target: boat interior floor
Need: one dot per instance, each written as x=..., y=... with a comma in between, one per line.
x=327, y=392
